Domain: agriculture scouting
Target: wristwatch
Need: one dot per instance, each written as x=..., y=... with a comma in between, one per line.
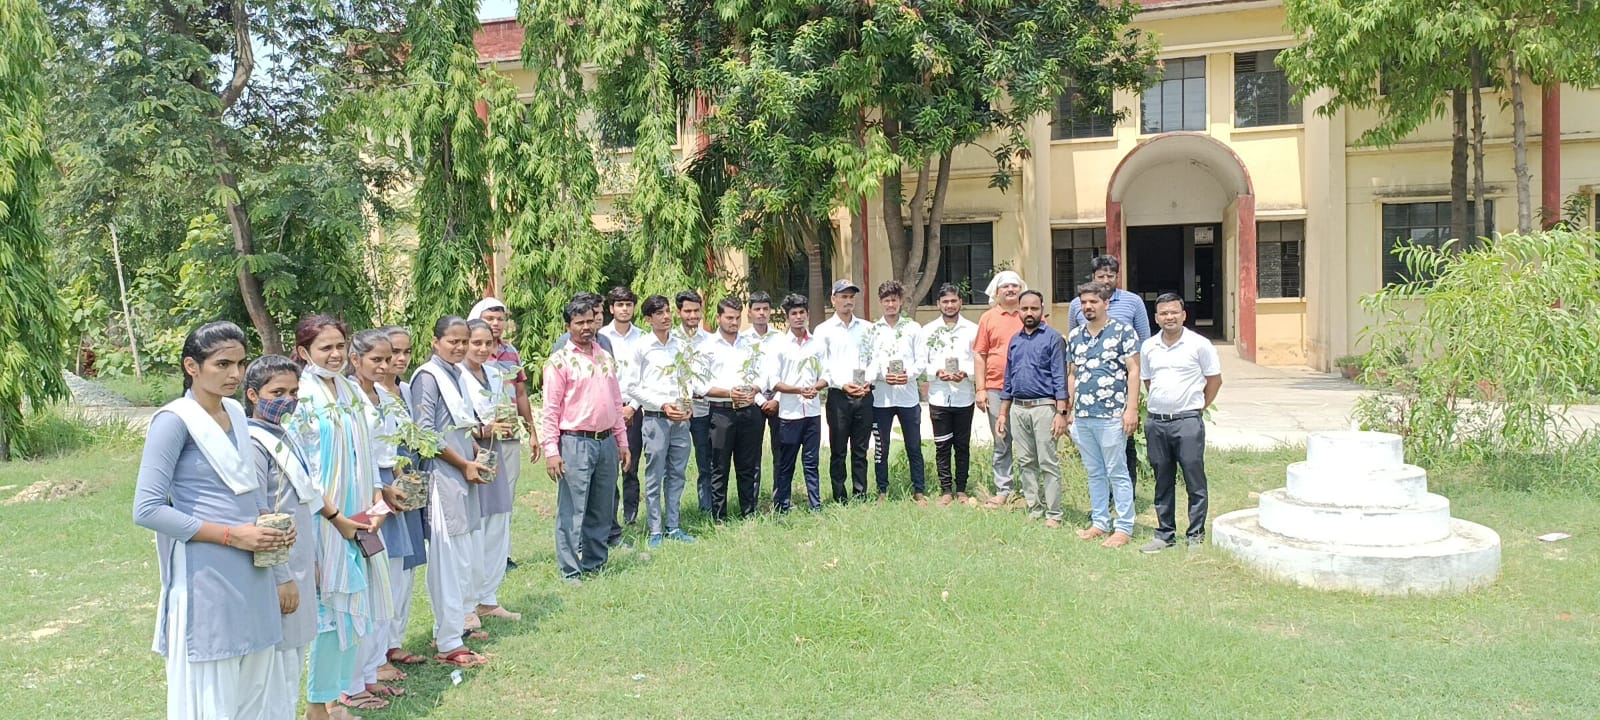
x=1068, y=411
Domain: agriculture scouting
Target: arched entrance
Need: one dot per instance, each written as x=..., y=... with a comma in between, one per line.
x=1181, y=215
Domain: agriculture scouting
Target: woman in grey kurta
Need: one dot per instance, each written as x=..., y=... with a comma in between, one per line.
x=272, y=385
x=218, y=617
x=494, y=400
x=453, y=506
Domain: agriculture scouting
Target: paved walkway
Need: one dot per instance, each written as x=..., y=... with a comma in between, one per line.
x=1258, y=407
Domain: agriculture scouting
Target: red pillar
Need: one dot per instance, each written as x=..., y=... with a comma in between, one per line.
x=1550, y=154
x=1247, y=277
x=1114, y=229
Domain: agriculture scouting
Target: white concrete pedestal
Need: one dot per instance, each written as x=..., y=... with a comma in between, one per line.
x=1354, y=516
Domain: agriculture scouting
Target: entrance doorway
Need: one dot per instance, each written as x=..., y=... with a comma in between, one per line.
x=1185, y=259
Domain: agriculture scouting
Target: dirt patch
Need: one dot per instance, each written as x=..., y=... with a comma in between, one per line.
x=46, y=491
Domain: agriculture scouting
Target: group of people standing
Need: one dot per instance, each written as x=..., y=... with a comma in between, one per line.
x=290, y=527
x=316, y=464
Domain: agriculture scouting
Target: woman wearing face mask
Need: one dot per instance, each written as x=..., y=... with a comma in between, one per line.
x=218, y=621
x=370, y=361
x=405, y=533
x=271, y=392
x=493, y=397
x=352, y=593
x=439, y=405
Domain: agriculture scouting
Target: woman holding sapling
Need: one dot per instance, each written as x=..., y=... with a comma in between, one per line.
x=271, y=392
x=494, y=399
x=331, y=426
x=404, y=534
x=439, y=406
x=371, y=357
x=218, y=621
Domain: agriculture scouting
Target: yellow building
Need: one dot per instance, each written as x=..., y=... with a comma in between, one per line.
x=1261, y=213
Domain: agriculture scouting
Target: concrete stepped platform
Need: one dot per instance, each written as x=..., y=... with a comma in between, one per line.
x=1427, y=520
x=1467, y=559
x=1354, y=450
x=1394, y=486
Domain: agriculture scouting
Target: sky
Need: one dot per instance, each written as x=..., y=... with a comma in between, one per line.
x=490, y=9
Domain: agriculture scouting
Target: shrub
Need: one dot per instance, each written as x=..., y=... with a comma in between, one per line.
x=1481, y=355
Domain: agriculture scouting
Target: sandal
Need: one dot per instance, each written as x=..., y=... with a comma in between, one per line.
x=462, y=657
x=475, y=635
x=363, y=701
x=500, y=613
x=390, y=673
x=385, y=690
x=398, y=655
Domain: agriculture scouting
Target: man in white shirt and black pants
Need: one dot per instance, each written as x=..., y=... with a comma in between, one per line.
x=1182, y=375
x=847, y=345
x=738, y=383
x=944, y=351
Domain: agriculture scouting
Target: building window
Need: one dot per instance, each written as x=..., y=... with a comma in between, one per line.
x=966, y=258
x=1073, y=250
x=1075, y=117
x=1178, y=100
x=1424, y=223
x=1280, y=259
x=1262, y=94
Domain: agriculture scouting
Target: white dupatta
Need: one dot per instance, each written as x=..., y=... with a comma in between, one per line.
x=484, y=400
x=226, y=454
x=305, y=487
x=451, y=391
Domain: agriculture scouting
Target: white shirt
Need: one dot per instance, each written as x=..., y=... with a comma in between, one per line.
x=730, y=365
x=939, y=341
x=846, y=349
x=793, y=361
x=1177, y=373
x=701, y=407
x=656, y=380
x=896, y=343
x=622, y=350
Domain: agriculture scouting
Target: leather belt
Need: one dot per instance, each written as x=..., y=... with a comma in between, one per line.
x=1033, y=402
x=591, y=434
x=1185, y=415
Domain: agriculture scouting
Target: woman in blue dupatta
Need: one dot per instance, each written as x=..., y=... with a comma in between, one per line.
x=352, y=593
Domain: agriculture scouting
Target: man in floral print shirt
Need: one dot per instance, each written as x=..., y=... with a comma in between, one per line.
x=1103, y=386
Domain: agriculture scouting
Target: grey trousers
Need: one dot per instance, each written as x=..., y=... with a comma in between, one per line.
x=1002, y=450
x=666, y=455
x=586, y=503
x=1036, y=464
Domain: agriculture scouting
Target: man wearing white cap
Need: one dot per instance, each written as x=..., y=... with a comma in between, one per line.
x=847, y=352
x=995, y=330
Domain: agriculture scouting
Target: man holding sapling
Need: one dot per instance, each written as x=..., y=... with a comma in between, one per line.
x=665, y=382
x=847, y=342
x=794, y=362
x=621, y=333
x=761, y=331
x=691, y=316
x=896, y=396
x=586, y=442
x=944, y=351
x=738, y=384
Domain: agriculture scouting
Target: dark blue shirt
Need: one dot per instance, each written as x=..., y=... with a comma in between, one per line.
x=1036, y=365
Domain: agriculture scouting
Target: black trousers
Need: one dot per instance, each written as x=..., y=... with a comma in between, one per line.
x=952, y=434
x=797, y=438
x=1173, y=445
x=736, y=448
x=1133, y=464
x=849, y=430
x=700, y=440
x=628, y=489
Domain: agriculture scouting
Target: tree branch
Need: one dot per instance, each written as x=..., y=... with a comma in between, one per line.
x=244, y=57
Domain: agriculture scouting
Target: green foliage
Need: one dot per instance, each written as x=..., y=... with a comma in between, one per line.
x=32, y=320
x=1503, y=341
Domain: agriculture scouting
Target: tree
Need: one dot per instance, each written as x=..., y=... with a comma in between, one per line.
x=438, y=134
x=171, y=115
x=32, y=323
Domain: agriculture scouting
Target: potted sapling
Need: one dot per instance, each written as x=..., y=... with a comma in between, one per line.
x=411, y=482
x=747, y=375
x=864, y=350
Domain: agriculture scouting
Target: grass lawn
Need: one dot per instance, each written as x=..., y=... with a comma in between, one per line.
x=876, y=611
x=155, y=390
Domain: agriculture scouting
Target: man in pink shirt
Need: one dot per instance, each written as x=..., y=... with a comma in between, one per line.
x=585, y=441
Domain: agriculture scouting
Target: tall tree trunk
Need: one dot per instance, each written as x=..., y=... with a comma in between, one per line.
x=930, y=263
x=1460, y=219
x=816, y=274
x=894, y=220
x=911, y=269
x=1519, y=148
x=255, y=303
x=1479, y=210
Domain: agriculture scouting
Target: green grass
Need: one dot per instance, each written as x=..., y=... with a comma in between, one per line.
x=876, y=611
x=155, y=390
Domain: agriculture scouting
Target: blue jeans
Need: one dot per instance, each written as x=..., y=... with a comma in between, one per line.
x=1103, y=446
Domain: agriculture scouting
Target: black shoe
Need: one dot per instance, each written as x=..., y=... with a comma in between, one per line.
x=511, y=564
x=1155, y=546
x=1197, y=541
